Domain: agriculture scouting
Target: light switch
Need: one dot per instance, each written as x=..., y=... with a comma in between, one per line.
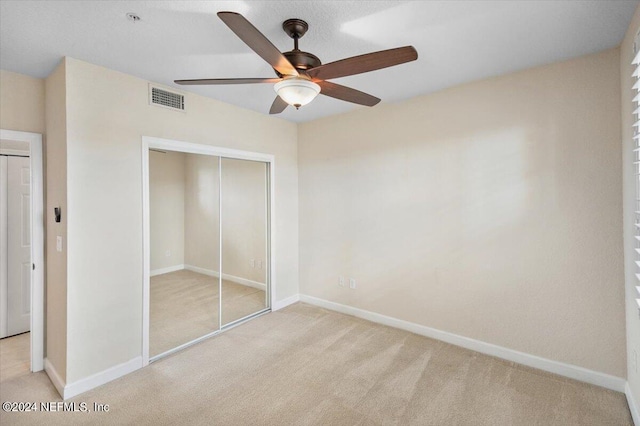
x=59, y=243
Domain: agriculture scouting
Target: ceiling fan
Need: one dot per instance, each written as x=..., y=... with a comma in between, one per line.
x=300, y=75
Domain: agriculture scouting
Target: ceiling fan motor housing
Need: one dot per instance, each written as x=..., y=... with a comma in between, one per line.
x=296, y=28
x=302, y=60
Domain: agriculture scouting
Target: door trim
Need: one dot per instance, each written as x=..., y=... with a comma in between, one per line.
x=37, y=242
x=149, y=142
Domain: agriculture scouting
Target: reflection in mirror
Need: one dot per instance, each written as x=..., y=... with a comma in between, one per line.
x=244, y=238
x=184, y=240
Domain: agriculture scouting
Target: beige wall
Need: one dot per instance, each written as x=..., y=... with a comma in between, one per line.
x=22, y=102
x=166, y=209
x=107, y=113
x=633, y=323
x=56, y=190
x=491, y=210
x=202, y=226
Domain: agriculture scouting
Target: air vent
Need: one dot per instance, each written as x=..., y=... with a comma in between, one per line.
x=165, y=98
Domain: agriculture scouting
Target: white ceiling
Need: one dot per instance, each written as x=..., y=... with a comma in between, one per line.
x=457, y=41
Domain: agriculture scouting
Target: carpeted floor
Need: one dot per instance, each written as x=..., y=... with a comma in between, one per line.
x=184, y=305
x=304, y=365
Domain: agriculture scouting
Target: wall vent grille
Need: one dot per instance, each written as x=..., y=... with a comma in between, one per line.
x=166, y=99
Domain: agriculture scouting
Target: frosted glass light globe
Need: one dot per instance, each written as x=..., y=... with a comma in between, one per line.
x=297, y=91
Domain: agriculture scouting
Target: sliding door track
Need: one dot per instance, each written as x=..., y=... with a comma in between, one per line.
x=207, y=336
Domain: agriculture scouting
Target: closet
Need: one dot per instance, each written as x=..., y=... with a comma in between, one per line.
x=15, y=240
x=209, y=246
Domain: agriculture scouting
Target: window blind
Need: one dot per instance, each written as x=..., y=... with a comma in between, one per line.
x=636, y=151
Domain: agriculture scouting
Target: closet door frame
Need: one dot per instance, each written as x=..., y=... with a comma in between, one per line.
x=37, y=242
x=149, y=142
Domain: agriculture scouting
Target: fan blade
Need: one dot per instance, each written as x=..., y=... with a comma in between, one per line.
x=364, y=63
x=278, y=105
x=348, y=94
x=258, y=42
x=226, y=81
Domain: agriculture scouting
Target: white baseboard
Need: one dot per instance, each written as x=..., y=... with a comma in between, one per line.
x=203, y=271
x=166, y=270
x=556, y=367
x=279, y=304
x=232, y=278
x=55, y=378
x=243, y=281
x=95, y=380
x=633, y=406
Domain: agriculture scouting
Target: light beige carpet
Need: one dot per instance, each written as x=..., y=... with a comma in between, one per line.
x=15, y=354
x=304, y=365
x=184, y=305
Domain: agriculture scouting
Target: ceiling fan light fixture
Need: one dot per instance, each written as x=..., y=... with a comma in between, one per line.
x=298, y=71
x=297, y=91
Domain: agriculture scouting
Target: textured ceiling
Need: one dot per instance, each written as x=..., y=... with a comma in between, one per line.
x=457, y=41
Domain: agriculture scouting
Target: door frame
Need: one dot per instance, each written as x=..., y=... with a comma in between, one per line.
x=149, y=142
x=37, y=242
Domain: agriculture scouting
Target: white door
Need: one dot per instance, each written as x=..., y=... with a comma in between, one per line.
x=18, y=245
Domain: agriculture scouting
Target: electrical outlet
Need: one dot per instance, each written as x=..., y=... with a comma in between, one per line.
x=252, y=262
x=167, y=253
x=352, y=283
x=259, y=264
x=341, y=281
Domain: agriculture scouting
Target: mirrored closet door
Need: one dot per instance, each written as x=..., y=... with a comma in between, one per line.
x=209, y=240
x=184, y=196
x=245, y=261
